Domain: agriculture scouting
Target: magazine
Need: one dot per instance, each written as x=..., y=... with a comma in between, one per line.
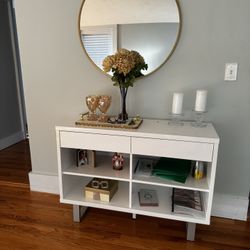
x=187, y=202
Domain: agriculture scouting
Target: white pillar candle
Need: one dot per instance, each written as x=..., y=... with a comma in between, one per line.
x=177, y=103
x=201, y=101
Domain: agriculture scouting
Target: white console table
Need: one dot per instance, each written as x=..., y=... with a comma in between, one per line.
x=153, y=138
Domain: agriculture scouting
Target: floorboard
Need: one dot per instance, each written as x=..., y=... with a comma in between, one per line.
x=15, y=163
x=33, y=220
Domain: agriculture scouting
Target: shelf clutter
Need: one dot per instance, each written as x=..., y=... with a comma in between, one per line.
x=173, y=169
x=188, y=202
x=167, y=168
x=101, y=189
x=148, y=197
x=144, y=166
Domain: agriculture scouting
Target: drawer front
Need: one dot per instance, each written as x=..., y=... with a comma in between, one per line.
x=100, y=142
x=173, y=149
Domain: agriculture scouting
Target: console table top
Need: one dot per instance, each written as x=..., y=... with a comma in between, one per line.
x=153, y=128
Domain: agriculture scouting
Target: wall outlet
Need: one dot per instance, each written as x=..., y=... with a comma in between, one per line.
x=231, y=71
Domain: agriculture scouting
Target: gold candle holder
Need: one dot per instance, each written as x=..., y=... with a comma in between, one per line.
x=92, y=102
x=103, y=105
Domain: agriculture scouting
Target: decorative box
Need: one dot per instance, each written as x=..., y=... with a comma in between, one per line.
x=101, y=189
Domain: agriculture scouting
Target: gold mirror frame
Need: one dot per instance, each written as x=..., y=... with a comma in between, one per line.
x=167, y=58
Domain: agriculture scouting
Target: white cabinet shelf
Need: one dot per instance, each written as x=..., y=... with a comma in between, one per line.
x=103, y=169
x=120, y=201
x=190, y=183
x=164, y=210
x=154, y=138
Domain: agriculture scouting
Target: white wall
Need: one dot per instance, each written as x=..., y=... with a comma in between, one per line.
x=58, y=75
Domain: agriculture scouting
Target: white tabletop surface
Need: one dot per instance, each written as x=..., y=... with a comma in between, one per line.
x=152, y=128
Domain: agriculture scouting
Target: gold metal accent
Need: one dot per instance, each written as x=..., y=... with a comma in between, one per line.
x=103, y=106
x=167, y=58
x=92, y=102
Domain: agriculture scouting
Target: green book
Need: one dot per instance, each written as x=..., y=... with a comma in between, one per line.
x=172, y=169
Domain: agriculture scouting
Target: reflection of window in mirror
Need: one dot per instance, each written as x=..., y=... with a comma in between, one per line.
x=99, y=41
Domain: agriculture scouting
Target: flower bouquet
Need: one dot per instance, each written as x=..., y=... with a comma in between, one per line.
x=125, y=66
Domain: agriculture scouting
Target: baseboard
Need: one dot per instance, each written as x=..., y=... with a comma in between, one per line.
x=12, y=139
x=44, y=183
x=230, y=206
x=226, y=206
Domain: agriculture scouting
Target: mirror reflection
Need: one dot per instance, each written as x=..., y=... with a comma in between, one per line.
x=150, y=27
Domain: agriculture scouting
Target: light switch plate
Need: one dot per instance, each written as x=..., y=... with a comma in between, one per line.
x=231, y=71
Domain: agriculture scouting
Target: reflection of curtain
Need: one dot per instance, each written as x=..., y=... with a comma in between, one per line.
x=98, y=47
x=99, y=42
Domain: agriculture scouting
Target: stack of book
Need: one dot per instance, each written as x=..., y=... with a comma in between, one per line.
x=172, y=169
x=187, y=202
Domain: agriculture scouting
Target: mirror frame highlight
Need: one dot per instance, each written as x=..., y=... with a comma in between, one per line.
x=161, y=64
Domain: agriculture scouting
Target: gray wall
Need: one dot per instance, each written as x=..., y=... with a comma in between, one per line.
x=9, y=106
x=58, y=75
x=154, y=41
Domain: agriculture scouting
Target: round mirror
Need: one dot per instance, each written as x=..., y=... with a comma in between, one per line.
x=150, y=27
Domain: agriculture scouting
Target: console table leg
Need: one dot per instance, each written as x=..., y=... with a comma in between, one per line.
x=191, y=231
x=134, y=216
x=78, y=212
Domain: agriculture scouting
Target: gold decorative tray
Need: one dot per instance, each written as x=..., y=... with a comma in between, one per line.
x=132, y=123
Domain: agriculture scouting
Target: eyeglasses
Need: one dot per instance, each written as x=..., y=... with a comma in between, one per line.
x=100, y=184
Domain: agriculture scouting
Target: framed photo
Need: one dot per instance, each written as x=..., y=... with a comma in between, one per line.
x=145, y=166
x=85, y=157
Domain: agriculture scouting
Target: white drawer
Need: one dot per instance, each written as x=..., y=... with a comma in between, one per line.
x=100, y=142
x=173, y=149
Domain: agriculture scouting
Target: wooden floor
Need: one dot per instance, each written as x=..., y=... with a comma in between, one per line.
x=15, y=163
x=32, y=220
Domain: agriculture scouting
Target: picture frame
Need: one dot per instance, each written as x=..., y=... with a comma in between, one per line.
x=85, y=157
x=144, y=166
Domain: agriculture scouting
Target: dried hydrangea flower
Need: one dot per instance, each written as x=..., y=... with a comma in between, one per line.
x=108, y=63
x=137, y=57
x=122, y=51
x=124, y=62
x=126, y=66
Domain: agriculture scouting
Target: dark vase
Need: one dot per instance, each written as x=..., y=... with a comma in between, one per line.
x=123, y=116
